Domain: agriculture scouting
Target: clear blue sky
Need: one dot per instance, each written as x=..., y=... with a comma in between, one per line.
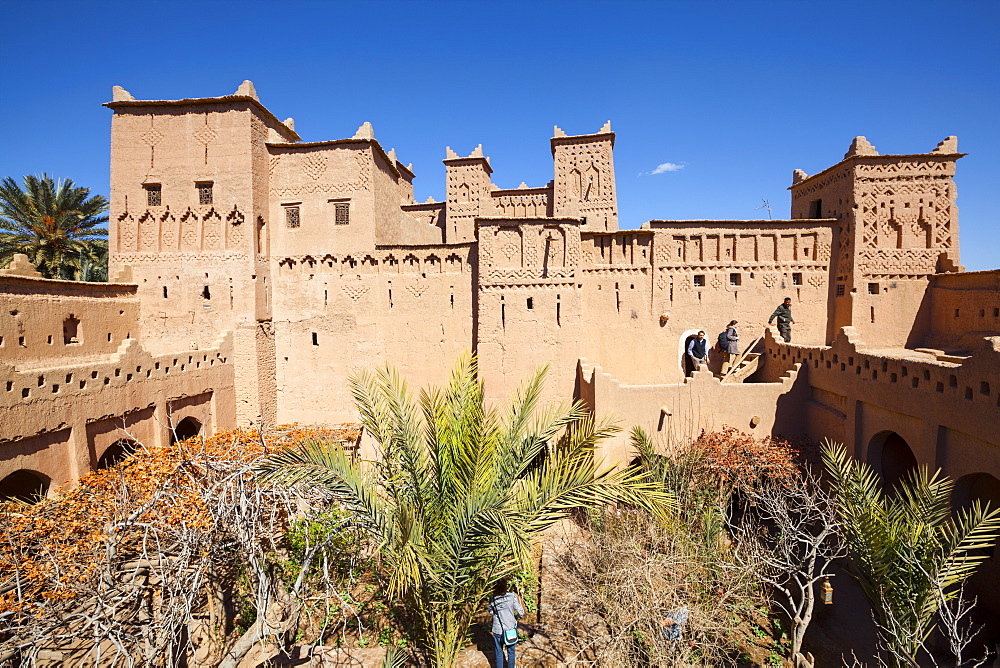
x=736, y=93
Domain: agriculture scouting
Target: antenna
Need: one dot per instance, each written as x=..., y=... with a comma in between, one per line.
x=765, y=205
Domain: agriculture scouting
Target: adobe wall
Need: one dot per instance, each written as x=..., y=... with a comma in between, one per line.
x=945, y=410
x=646, y=290
x=529, y=308
x=964, y=307
x=672, y=413
x=336, y=314
x=62, y=404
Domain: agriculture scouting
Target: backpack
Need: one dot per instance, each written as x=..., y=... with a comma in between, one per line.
x=723, y=342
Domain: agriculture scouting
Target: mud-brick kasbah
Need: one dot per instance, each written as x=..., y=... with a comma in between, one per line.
x=253, y=271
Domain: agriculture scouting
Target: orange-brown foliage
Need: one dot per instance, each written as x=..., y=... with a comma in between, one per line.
x=738, y=460
x=52, y=549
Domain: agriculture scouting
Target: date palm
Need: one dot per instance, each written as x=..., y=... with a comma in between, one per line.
x=460, y=492
x=55, y=224
x=909, y=551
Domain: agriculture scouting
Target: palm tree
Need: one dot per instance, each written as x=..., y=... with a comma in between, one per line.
x=910, y=554
x=54, y=224
x=460, y=493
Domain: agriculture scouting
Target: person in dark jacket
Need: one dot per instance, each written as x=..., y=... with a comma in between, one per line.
x=732, y=349
x=506, y=609
x=697, y=351
x=784, y=315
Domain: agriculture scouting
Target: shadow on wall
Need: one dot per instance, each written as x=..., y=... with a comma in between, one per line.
x=790, y=415
x=923, y=325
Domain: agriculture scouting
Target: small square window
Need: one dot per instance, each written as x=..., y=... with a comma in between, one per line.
x=840, y=289
x=291, y=216
x=735, y=279
x=204, y=193
x=797, y=278
x=154, y=195
x=341, y=213
x=699, y=280
x=873, y=288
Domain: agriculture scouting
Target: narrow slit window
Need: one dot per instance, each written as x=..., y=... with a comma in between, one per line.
x=315, y=338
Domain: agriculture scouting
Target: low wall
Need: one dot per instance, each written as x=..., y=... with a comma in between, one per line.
x=681, y=411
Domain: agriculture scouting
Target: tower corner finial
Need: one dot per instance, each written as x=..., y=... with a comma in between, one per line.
x=119, y=94
x=948, y=145
x=246, y=89
x=860, y=146
x=365, y=131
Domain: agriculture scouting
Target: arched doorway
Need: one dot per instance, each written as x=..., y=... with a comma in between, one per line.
x=682, y=346
x=981, y=487
x=891, y=456
x=24, y=485
x=115, y=454
x=984, y=583
x=185, y=429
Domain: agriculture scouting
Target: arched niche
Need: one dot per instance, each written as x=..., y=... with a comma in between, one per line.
x=24, y=485
x=891, y=456
x=115, y=453
x=187, y=428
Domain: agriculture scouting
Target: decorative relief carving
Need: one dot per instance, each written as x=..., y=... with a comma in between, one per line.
x=817, y=280
x=189, y=231
x=204, y=135
x=126, y=233
x=272, y=164
x=495, y=275
x=362, y=165
x=908, y=261
x=235, y=220
x=314, y=166
x=355, y=292
x=416, y=290
x=152, y=137
x=168, y=232
x=769, y=279
x=212, y=226
x=148, y=232
x=716, y=282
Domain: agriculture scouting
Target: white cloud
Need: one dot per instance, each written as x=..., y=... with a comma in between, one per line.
x=667, y=167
